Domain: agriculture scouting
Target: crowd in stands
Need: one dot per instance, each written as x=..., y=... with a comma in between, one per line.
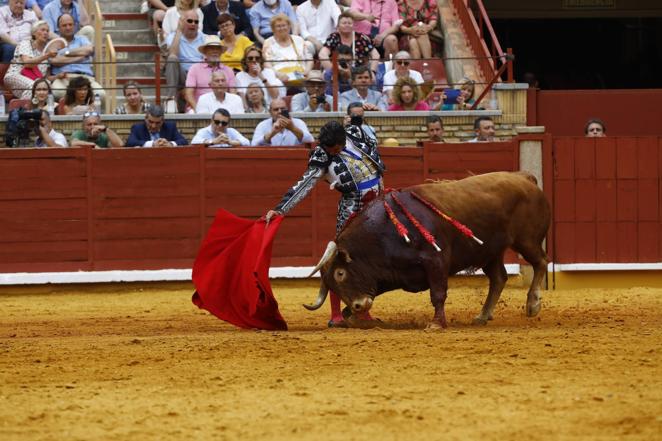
x=244, y=56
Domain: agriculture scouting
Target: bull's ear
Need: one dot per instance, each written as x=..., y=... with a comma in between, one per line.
x=344, y=254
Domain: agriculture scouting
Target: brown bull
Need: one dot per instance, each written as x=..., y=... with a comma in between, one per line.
x=505, y=210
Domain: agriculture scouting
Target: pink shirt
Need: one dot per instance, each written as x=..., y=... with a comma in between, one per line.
x=386, y=12
x=199, y=75
x=421, y=105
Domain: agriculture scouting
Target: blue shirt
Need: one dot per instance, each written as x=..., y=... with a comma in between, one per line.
x=42, y=3
x=285, y=137
x=188, y=50
x=207, y=134
x=54, y=9
x=352, y=96
x=260, y=15
x=84, y=67
x=301, y=103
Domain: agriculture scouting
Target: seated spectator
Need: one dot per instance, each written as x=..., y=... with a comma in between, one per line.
x=74, y=60
x=317, y=20
x=77, y=11
x=219, y=133
x=261, y=14
x=435, y=128
x=219, y=97
x=172, y=16
x=370, y=99
x=313, y=99
x=30, y=61
x=135, y=103
x=407, y=95
x=255, y=72
x=183, y=53
x=465, y=99
x=289, y=55
x=234, y=45
x=235, y=9
x=345, y=63
x=356, y=117
x=199, y=76
x=400, y=69
x=380, y=20
x=595, y=128
x=364, y=50
x=156, y=14
x=31, y=5
x=15, y=25
x=48, y=137
x=95, y=134
x=79, y=98
x=41, y=89
x=484, y=128
x=155, y=131
x=419, y=18
x=255, y=99
x=281, y=129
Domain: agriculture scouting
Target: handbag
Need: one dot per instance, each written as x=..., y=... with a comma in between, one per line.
x=31, y=72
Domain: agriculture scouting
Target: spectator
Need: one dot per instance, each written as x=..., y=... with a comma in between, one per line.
x=219, y=97
x=219, y=133
x=155, y=131
x=48, y=137
x=41, y=88
x=82, y=25
x=79, y=98
x=313, y=99
x=32, y=5
x=435, y=127
x=466, y=97
x=317, y=20
x=30, y=61
x=156, y=13
x=400, y=70
x=261, y=14
x=595, y=128
x=135, y=103
x=15, y=26
x=345, y=63
x=199, y=76
x=361, y=92
x=255, y=72
x=183, y=53
x=419, y=18
x=289, y=55
x=255, y=99
x=407, y=95
x=364, y=50
x=74, y=60
x=484, y=128
x=172, y=16
x=234, y=45
x=235, y=9
x=281, y=129
x=356, y=117
x=380, y=20
x=95, y=134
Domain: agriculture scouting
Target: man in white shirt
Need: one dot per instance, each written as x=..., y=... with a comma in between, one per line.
x=219, y=133
x=400, y=69
x=48, y=137
x=219, y=97
x=15, y=25
x=281, y=129
x=317, y=20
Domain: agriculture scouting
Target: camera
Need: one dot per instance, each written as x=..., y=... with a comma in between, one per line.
x=343, y=64
x=321, y=99
x=20, y=123
x=285, y=113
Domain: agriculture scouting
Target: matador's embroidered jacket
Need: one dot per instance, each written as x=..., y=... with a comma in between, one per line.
x=356, y=172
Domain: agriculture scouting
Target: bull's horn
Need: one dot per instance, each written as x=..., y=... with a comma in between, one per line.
x=321, y=297
x=328, y=254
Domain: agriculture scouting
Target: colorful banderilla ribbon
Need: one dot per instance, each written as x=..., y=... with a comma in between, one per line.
x=402, y=230
x=462, y=228
x=421, y=229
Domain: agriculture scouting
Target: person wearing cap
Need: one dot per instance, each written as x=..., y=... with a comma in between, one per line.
x=219, y=133
x=199, y=76
x=95, y=134
x=313, y=99
x=219, y=97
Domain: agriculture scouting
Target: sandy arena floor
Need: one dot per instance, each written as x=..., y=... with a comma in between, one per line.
x=145, y=364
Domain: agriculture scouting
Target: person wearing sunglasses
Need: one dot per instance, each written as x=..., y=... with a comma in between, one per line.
x=95, y=134
x=219, y=97
x=173, y=14
x=255, y=72
x=400, y=69
x=595, y=128
x=219, y=133
x=155, y=131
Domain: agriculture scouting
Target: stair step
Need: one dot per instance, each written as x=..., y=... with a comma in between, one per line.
x=112, y=6
x=147, y=81
x=136, y=37
x=138, y=53
x=125, y=22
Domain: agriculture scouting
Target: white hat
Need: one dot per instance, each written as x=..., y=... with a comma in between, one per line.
x=210, y=41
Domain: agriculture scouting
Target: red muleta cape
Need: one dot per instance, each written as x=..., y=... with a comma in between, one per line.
x=231, y=272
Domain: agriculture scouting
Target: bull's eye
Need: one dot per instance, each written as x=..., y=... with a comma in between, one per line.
x=339, y=275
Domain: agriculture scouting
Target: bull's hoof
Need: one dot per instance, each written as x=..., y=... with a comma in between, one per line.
x=355, y=322
x=532, y=310
x=434, y=326
x=338, y=324
x=479, y=321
